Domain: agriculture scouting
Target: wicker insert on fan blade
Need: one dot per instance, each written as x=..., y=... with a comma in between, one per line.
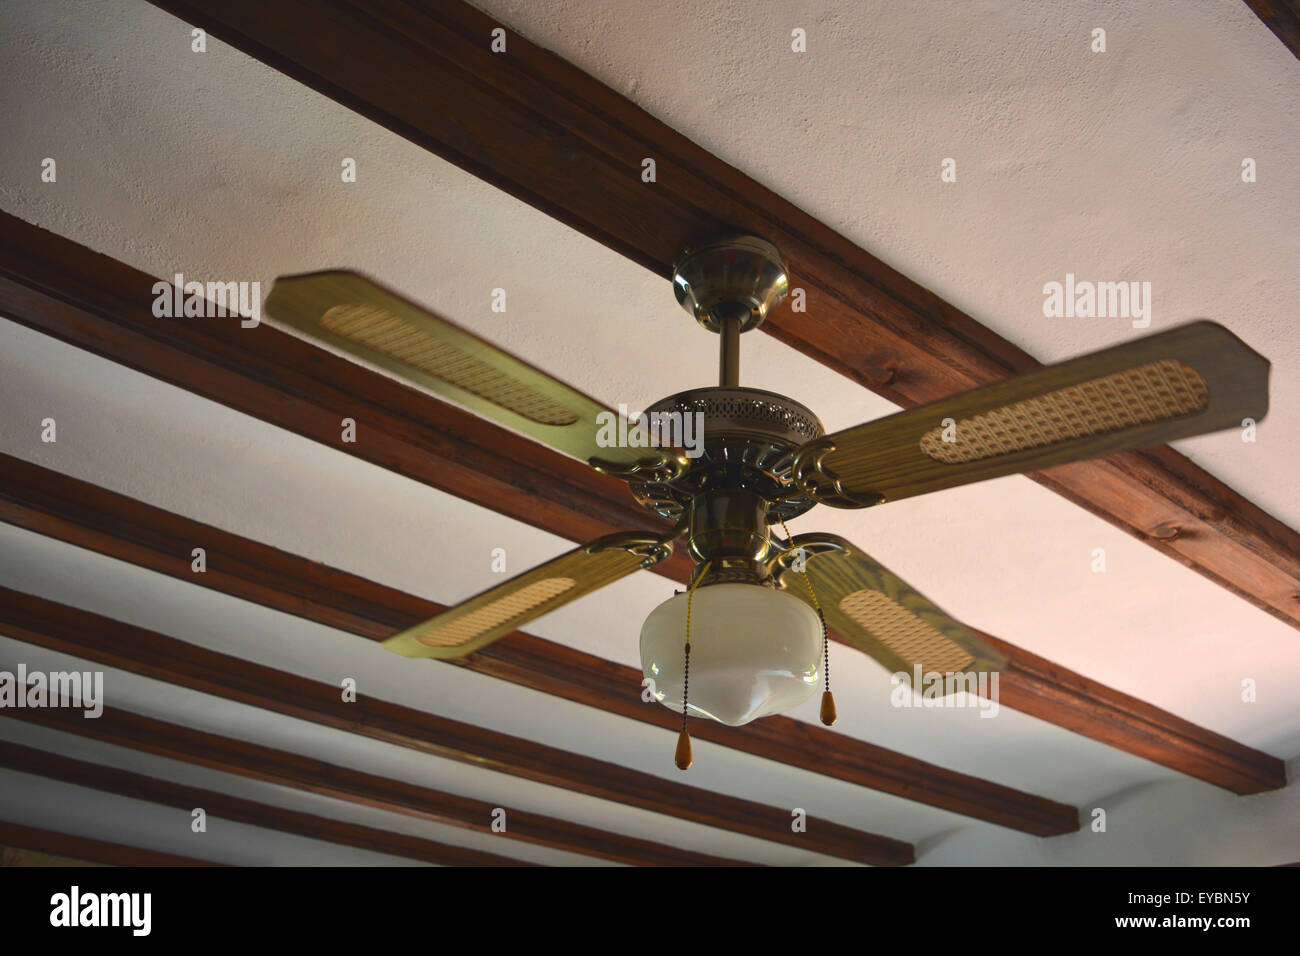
x=904, y=633
x=396, y=338
x=503, y=609
x=1154, y=392
x=494, y=613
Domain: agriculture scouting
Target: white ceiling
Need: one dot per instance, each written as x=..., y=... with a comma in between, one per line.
x=1121, y=165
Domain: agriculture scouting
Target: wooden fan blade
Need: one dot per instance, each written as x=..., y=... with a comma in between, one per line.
x=1193, y=379
x=349, y=312
x=880, y=613
x=466, y=627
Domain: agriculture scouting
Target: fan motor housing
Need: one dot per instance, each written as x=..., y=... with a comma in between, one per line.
x=749, y=440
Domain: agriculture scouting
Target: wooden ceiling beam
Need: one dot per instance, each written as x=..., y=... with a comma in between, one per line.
x=48, y=624
x=1283, y=18
x=540, y=129
x=89, y=300
x=124, y=783
x=100, y=520
x=31, y=846
x=243, y=758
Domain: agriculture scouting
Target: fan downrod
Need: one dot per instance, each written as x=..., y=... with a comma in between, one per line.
x=729, y=285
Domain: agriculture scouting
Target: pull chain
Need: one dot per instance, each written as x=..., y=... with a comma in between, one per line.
x=684, y=757
x=828, y=700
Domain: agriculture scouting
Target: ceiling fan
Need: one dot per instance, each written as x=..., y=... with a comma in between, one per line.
x=748, y=636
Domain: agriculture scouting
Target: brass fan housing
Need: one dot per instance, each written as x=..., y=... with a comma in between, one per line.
x=750, y=437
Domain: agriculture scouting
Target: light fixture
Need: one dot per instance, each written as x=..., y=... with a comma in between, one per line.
x=754, y=651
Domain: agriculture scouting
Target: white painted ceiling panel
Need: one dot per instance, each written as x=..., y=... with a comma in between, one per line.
x=81, y=811
x=1160, y=823
x=246, y=788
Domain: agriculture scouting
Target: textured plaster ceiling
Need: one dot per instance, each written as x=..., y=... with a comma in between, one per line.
x=1121, y=165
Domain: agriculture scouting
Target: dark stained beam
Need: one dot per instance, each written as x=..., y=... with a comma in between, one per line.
x=236, y=809
x=94, y=302
x=1283, y=18
x=69, y=630
x=542, y=130
x=100, y=520
x=138, y=732
x=23, y=846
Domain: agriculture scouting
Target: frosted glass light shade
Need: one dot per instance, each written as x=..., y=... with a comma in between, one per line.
x=754, y=652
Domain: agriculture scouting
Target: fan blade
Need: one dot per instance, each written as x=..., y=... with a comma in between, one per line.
x=466, y=627
x=349, y=312
x=1193, y=379
x=880, y=613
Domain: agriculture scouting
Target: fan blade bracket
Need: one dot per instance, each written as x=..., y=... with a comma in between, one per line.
x=650, y=548
x=811, y=476
x=790, y=557
x=668, y=465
